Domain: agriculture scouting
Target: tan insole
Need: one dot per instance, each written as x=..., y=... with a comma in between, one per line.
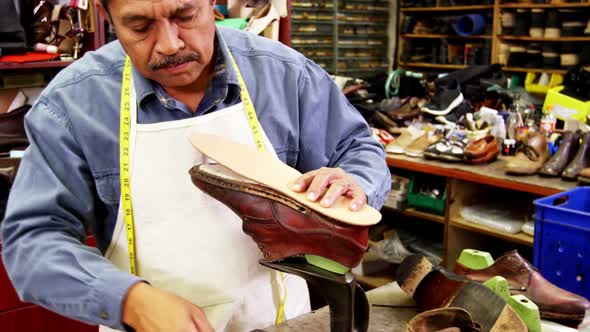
x=263, y=168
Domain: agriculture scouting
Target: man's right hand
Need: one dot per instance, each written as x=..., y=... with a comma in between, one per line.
x=148, y=309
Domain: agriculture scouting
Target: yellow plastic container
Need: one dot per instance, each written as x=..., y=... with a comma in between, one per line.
x=531, y=87
x=566, y=107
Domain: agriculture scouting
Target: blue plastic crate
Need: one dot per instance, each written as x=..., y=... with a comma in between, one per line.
x=562, y=239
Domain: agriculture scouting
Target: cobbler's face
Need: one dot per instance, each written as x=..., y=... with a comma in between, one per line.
x=168, y=41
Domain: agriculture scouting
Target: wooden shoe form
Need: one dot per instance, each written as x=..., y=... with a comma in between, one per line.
x=263, y=168
x=432, y=287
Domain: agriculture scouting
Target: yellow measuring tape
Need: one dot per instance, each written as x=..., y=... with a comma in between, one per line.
x=257, y=132
x=124, y=164
x=125, y=128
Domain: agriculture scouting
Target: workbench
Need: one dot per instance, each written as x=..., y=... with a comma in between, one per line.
x=390, y=310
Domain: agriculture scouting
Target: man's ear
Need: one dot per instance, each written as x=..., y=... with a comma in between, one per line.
x=212, y=2
x=104, y=12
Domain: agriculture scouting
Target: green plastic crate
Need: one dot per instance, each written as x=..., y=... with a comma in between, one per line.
x=424, y=202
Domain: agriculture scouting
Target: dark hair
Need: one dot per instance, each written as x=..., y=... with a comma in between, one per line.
x=105, y=4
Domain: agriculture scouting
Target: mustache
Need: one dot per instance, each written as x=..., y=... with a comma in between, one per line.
x=174, y=60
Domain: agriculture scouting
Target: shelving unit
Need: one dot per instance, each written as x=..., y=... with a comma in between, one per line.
x=560, y=39
x=534, y=70
x=358, y=32
x=431, y=65
x=446, y=8
x=412, y=35
x=550, y=5
x=412, y=44
x=520, y=238
x=35, y=65
x=464, y=182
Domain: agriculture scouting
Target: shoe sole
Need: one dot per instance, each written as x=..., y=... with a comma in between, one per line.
x=446, y=111
x=414, y=154
x=418, y=278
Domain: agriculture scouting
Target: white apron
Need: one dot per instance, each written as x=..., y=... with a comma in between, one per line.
x=190, y=244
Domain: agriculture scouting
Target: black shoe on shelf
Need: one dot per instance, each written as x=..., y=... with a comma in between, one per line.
x=552, y=24
x=447, y=97
x=517, y=57
x=551, y=55
x=537, y=28
x=408, y=25
x=534, y=56
x=523, y=22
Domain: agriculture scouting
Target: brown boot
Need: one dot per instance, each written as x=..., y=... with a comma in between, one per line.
x=445, y=319
x=433, y=287
x=564, y=155
x=530, y=157
x=523, y=278
x=581, y=161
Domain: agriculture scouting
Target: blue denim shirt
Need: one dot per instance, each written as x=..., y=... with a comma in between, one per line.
x=68, y=181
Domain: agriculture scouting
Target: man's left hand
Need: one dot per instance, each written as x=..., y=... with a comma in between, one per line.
x=327, y=184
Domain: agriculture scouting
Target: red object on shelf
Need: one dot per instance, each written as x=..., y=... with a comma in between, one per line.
x=28, y=57
x=17, y=316
x=37, y=319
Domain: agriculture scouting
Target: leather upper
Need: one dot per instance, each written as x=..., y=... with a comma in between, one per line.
x=444, y=319
x=524, y=279
x=581, y=160
x=564, y=155
x=531, y=155
x=280, y=226
x=483, y=150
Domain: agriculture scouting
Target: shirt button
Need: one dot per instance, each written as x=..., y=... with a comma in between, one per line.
x=104, y=315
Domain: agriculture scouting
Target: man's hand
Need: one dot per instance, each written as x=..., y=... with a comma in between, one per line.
x=328, y=184
x=148, y=309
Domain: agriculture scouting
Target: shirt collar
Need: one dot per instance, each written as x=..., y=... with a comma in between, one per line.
x=224, y=76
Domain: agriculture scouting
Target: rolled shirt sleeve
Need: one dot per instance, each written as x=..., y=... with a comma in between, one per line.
x=334, y=133
x=52, y=202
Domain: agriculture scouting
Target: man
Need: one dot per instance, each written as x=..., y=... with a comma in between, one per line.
x=196, y=268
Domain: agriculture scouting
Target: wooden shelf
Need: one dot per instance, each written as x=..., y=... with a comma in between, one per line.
x=34, y=65
x=304, y=21
x=549, y=5
x=537, y=39
x=444, y=9
x=411, y=212
x=358, y=46
x=520, y=238
x=431, y=65
x=311, y=9
x=362, y=70
x=343, y=22
x=312, y=34
x=534, y=70
x=412, y=35
x=492, y=174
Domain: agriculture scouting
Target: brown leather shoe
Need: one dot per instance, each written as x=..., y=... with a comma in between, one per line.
x=483, y=150
x=433, y=287
x=382, y=121
x=581, y=160
x=564, y=155
x=523, y=278
x=531, y=156
x=279, y=225
x=409, y=109
x=444, y=319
